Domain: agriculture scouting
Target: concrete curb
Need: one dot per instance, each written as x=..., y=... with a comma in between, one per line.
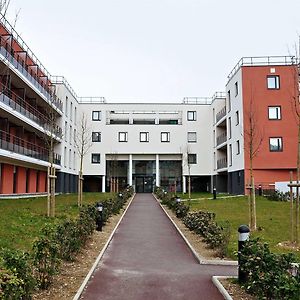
x=220, y=287
x=201, y=259
x=88, y=276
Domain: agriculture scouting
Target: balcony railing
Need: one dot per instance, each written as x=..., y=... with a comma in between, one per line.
x=39, y=82
x=222, y=163
x=222, y=138
x=221, y=114
x=15, y=144
x=20, y=105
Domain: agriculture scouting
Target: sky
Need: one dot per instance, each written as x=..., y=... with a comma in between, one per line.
x=153, y=50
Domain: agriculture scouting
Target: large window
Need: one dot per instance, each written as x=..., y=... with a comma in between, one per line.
x=192, y=158
x=165, y=137
x=191, y=115
x=275, y=144
x=274, y=112
x=144, y=137
x=123, y=136
x=230, y=155
x=96, y=136
x=192, y=137
x=95, y=158
x=96, y=115
x=273, y=82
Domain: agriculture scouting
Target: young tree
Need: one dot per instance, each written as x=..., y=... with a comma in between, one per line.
x=83, y=143
x=187, y=162
x=253, y=138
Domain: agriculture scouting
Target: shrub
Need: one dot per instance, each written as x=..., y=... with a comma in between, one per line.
x=268, y=274
x=275, y=195
x=11, y=287
x=20, y=264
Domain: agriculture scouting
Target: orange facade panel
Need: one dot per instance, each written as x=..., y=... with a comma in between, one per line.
x=7, y=179
x=32, y=181
x=42, y=182
x=21, y=181
x=257, y=99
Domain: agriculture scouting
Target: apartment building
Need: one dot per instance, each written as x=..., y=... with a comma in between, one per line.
x=31, y=115
x=204, y=141
x=259, y=114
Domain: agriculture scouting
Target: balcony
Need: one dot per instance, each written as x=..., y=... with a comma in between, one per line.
x=222, y=138
x=222, y=163
x=38, y=79
x=21, y=106
x=15, y=144
x=221, y=114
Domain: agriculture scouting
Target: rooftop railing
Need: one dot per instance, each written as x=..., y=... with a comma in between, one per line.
x=63, y=80
x=263, y=61
x=197, y=100
x=91, y=100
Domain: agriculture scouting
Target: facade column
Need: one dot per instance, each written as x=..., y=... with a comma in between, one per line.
x=184, y=184
x=157, y=177
x=103, y=183
x=130, y=170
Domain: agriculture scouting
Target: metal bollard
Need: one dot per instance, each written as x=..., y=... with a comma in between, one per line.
x=260, y=190
x=99, y=217
x=215, y=193
x=244, y=233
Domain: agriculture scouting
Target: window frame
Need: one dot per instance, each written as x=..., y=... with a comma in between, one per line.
x=238, y=147
x=278, y=115
x=229, y=100
x=281, y=143
x=167, y=134
x=192, y=113
x=98, y=135
x=277, y=82
x=94, y=118
x=237, y=118
x=98, y=155
x=189, y=140
x=236, y=88
x=121, y=133
x=146, y=134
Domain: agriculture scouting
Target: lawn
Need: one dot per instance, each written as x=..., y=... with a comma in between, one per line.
x=22, y=219
x=272, y=219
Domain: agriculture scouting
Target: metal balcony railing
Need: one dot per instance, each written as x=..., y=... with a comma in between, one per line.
x=15, y=144
x=222, y=163
x=20, y=105
x=41, y=82
x=222, y=138
x=221, y=114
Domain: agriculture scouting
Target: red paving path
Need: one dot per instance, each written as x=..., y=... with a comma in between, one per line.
x=148, y=259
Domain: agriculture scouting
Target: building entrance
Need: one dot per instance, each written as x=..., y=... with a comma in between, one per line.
x=144, y=184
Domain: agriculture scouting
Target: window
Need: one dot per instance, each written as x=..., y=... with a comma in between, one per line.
x=96, y=136
x=65, y=157
x=74, y=135
x=192, y=137
x=237, y=117
x=70, y=158
x=276, y=144
x=191, y=116
x=75, y=114
x=74, y=161
x=123, y=137
x=236, y=87
x=96, y=116
x=273, y=82
x=230, y=155
x=66, y=131
x=229, y=100
x=192, y=158
x=71, y=131
x=71, y=111
x=165, y=137
x=274, y=112
x=238, y=150
x=229, y=128
x=144, y=136
x=66, y=106
x=95, y=158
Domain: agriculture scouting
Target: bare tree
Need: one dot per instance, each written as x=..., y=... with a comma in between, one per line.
x=253, y=138
x=83, y=143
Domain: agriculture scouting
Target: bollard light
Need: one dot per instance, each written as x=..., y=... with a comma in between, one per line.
x=120, y=195
x=244, y=233
x=178, y=199
x=215, y=193
x=260, y=190
x=99, y=217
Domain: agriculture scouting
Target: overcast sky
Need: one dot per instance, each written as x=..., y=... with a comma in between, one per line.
x=156, y=50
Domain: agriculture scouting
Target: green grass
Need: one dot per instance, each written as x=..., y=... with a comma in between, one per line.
x=198, y=195
x=22, y=219
x=272, y=219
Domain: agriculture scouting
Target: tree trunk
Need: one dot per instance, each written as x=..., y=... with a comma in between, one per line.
x=297, y=190
x=291, y=208
x=48, y=193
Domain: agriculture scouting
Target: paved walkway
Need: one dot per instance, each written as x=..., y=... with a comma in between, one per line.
x=148, y=259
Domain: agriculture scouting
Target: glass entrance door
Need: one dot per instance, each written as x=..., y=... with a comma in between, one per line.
x=144, y=184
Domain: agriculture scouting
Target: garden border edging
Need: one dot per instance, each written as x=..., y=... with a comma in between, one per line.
x=220, y=287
